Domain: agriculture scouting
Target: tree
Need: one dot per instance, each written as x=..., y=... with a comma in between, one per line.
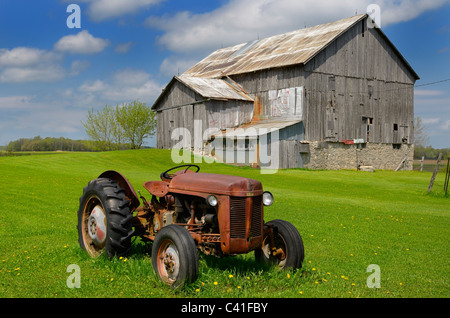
x=129, y=123
x=100, y=127
x=137, y=121
x=421, y=138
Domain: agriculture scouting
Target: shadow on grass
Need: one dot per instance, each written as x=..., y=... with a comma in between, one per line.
x=140, y=249
x=238, y=264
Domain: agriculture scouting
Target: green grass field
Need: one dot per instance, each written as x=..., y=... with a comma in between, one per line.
x=348, y=220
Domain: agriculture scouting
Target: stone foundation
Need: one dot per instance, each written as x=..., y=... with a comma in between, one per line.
x=337, y=155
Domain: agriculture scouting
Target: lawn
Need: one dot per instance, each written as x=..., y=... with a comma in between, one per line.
x=348, y=220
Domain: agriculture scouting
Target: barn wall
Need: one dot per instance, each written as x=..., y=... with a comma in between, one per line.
x=169, y=116
x=227, y=114
x=357, y=88
x=340, y=108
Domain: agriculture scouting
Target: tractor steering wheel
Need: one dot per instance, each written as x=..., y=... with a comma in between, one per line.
x=166, y=175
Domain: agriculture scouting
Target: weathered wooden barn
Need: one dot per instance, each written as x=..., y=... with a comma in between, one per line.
x=333, y=96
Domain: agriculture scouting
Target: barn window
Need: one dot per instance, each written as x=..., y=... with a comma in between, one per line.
x=395, y=127
x=370, y=90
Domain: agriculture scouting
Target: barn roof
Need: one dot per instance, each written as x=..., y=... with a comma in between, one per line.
x=214, y=88
x=297, y=47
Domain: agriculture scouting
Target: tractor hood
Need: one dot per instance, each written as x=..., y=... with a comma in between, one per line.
x=210, y=183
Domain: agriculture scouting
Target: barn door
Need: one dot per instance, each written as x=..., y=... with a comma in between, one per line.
x=331, y=119
x=181, y=126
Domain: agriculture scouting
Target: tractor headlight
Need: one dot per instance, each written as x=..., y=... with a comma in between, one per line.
x=267, y=198
x=211, y=200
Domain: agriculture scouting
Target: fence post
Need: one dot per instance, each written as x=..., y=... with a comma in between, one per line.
x=435, y=172
x=447, y=176
x=421, y=164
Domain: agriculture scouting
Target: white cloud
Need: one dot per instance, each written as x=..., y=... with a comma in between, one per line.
x=25, y=56
x=123, y=48
x=99, y=10
x=16, y=102
x=30, y=115
x=81, y=43
x=51, y=120
x=78, y=66
x=124, y=86
x=172, y=65
x=92, y=86
x=430, y=121
x=25, y=64
x=130, y=77
x=241, y=21
x=445, y=125
x=424, y=92
x=393, y=11
x=41, y=73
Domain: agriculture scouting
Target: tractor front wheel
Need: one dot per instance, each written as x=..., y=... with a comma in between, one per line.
x=174, y=256
x=286, y=250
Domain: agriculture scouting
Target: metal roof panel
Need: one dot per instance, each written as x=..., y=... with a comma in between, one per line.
x=214, y=88
x=257, y=128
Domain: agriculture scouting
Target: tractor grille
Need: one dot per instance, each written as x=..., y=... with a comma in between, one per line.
x=238, y=217
x=256, y=227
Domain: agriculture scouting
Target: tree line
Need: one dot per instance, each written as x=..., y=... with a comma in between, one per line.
x=430, y=153
x=49, y=144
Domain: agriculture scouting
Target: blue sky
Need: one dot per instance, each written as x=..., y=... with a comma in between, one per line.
x=51, y=75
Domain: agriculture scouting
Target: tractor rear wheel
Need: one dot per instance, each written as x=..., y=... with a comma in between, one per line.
x=104, y=219
x=174, y=256
x=288, y=252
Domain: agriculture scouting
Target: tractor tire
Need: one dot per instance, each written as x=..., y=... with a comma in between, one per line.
x=288, y=243
x=104, y=219
x=174, y=256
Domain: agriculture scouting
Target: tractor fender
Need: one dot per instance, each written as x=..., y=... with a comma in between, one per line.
x=124, y=184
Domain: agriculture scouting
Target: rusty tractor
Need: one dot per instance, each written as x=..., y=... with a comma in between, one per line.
x=217, y=214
